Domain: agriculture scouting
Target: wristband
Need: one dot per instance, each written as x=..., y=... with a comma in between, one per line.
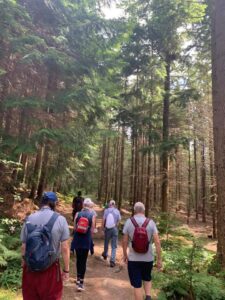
x=65, y=271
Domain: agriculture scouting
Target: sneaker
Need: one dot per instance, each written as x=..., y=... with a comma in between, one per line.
x=104, y=256
x=112, y=264
x=77, y=282
x=80, y=287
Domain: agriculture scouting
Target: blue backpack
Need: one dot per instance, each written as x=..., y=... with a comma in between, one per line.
x=39, y=254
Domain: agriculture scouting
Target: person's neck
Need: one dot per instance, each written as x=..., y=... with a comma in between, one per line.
x=46, y=207
x=139, y=215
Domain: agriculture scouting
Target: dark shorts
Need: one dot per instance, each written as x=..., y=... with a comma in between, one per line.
x=139, y=271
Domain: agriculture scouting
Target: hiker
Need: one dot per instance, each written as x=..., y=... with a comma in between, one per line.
x=44, y=235
x=84, y=223
x=138, y=234
x=110, y=222
x=77, y=204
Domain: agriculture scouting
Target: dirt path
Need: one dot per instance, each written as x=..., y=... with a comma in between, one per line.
x=101, y=281
x=105, y=283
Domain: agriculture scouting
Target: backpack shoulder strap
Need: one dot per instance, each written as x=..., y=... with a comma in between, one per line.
x=146, y=222
x=134, y=222
x=52, y=220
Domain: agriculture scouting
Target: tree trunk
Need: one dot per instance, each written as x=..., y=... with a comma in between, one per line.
x=212, y=189
x=43, y=176
x=165, y=160
x=132, y=171
x=36, y=173
x=101, y=182
x=148, y=185
x=155, y=178
x=117, y=170
x=196, y=179
x=107, y=170
x=218, y=81
x=136, y=154
x=141, y=177
x=112, y=182
x=203, y=183
x=121, y=168
x=189, y=185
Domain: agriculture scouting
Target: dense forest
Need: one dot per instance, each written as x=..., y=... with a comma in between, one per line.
x=120, y=107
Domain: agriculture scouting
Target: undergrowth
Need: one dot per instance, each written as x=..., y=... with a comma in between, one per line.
x=10, y=255
x=186, y=264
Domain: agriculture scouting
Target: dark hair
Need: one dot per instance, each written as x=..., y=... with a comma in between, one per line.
x=50, y=203
x=79, y=193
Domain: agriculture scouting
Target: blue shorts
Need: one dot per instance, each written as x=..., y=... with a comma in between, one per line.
x=139, y=271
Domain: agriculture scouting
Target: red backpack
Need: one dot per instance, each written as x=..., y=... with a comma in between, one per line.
x=140, y=242
x=82, y=225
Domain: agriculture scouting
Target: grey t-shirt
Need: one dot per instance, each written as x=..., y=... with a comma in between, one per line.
x=129, y=229
x=114, y=211
x=60, y=230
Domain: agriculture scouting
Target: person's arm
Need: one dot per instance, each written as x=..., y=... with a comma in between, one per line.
x=23, y=250
x=103, y=220
x=119, y=218
x=158, y=250
x=65, y=250
x=125, y=245
x=93, y=225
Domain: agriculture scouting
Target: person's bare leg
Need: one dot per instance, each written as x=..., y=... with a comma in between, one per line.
x=138, y=294
x=147, y=288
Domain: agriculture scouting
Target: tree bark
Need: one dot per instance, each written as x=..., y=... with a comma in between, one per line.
x=101, y=182
x=165, y=160
x=203, y=183
x=36, y=172
x=218, y=83
x=196, y=179
x=132, y=171
x=117, y=170
x=107, y=170
x=155, y=178
x=121, y=168
x=189, y=185
x=43, y=176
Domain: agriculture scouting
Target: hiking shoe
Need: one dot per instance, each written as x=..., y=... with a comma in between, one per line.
x=104, y=256
x=148, y=298
x=112, y=264
x=80, y=287
x=77, y=282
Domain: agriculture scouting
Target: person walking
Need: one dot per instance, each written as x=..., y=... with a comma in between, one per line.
x=77, y=204
x=44, y=236
x=110, y=222
x=84, y=224
x=138, y=233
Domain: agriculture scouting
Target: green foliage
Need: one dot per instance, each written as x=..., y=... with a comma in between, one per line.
x=203, y=287
x=185, y=265
x=10, y=257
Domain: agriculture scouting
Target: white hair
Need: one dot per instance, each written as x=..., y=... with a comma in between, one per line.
x=87, y=202
x=112, y=203
x=139, y=207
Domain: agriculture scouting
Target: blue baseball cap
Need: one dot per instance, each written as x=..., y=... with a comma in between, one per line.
x=50, y=196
